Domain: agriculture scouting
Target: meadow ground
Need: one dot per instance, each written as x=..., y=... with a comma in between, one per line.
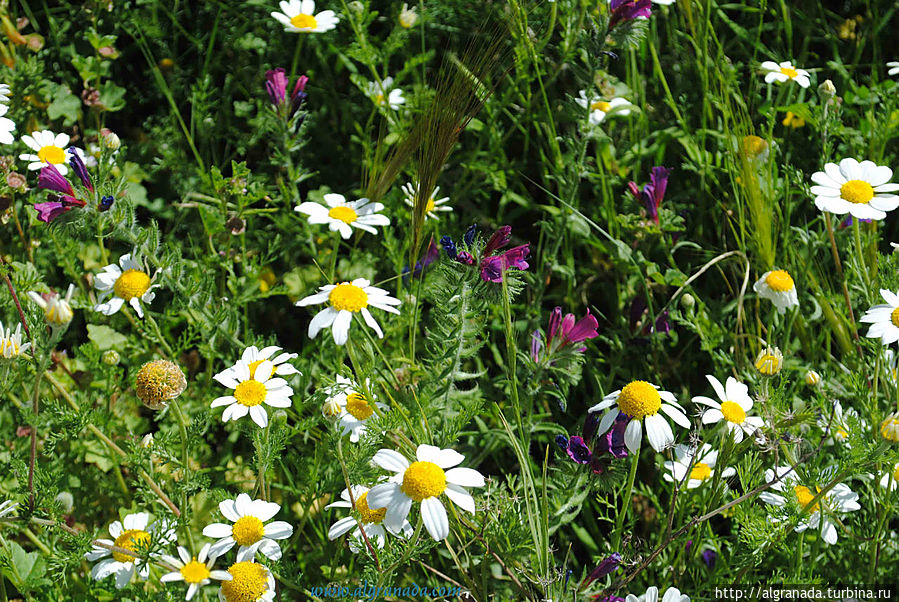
x=577, y=300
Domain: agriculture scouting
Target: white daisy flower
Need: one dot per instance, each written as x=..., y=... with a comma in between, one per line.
x=423, y=481
x=812, y=378
x=893, y=68
x=249, y=530
x=250, y=582
x=860, y=189
x=884, y=318
x=253, y=357
x=129, y=283
x=888, y=480
x=134, y=534
x=784, y=72
x=57, y=309
x=7, y=126
x=838, y=500
x=251, y=392
x=408, y=17
x=6, y=92
x=11, y=342
x=598, y=108
x=778, y=287
x=385, y=94
x=702, y=470
x=838, y=427
x=889, y=428
x=7, y=508
x=346, y=299
x=298, y=16
x=672, y=594
x=50, y=149
x=769, y=361
x=196, y=571
x=735, y=402
x=370, y=520
x=355, y=408
x=433, y=206
x=342, y=215
x=642, y=401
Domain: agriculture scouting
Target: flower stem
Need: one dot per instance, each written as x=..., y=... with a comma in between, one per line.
x=857, y=235
x=875, y=541
x=625, y=502
x=185, y=457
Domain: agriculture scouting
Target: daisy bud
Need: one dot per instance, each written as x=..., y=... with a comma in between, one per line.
x=66, y=501
x=688, y=302
x=889, y=428
x=111, y=357
x=331, y=409
x=827, y=90
x=147, y=441
x=158, y=382
x=408, y=16
x=769, y=361
x=812, y=378
x=111, y=141
x=279, y=416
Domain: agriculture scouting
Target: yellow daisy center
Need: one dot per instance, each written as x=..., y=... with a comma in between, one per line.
x=250, y=393
x=247, y=530
x=254, y=365
x=194, y=571
x=358, y=406
x=366, y=514
x=842, y=433
x=345, y=214
x=348, y=297
x=890, y=429
x=733, y=412
x=379, y=99
x=130, y=540
x=7, y=346
x=780, y=281
x=423, y=480
x=304, y=22
x=894, y=317
x=789, y=72
x=600, y=105
x=701, y=471
x=249, y=581
x=430, y=206
x=896, y=473
x=805, y=496
x=52, y=154
x=131, y=284
x=768, y=364
x=857, y=191
x=639, y=399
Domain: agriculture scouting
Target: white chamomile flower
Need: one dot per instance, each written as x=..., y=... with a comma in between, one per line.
x=664, y=2
x=195, y=571
x=57, y=309
x=7, y=126
x=408, y=17
x=598, y=109
x=370, y=520
x=785, y=72
x=641, y=401
x=385, y=94
x=860, y=189
x=423, y=481
x=249, y=530
x=702, y=470
x=434, y=204
x=890, y=479
x=893, y=68
x=7, y=508
x=127, y=282
x=342, y=215
x=355, y=407
x=672, y=594
x=253, y=357
x=134, y=533
x=298, y=16
x=6, y=92
x=734, y=402
x=11, y=342
x=884, y=319
x=344, y=300
x=778, y=287
x=50, y=149
x=250, y=392
x=250, y=582
x=839, y=499
x=889, y=428
x=838, y=427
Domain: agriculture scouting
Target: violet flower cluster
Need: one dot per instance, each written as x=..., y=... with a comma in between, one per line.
x=611, y=443
x=653, y=193
x=276, y=83
x=562, y=332
x=67, y=199
x=491, y=267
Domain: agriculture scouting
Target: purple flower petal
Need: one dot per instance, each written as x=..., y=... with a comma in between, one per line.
x=51, y=179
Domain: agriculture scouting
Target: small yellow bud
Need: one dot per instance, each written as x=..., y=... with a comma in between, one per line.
x=408, y=16
x=812, y=378
x=111, y=357
x=769, y=361
x=331, y=409
x=158, y=382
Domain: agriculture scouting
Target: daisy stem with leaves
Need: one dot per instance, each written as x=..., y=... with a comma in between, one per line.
x=625, y=501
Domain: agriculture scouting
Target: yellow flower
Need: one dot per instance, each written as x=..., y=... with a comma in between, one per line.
x=792, y=120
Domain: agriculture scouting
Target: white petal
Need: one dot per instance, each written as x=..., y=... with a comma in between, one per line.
x=632, y=435
x=391, y=460
x=465, y=477
x=433, y=515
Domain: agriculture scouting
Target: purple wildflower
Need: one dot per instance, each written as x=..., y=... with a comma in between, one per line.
x=430, y=256
x=79, y=168
x=276, y=83
x=613, y=440
x=49, y=211
x=578, y=450
x=606, y=566
x=709, y=557
x=50, y=179
x=628, y=10
x=491, y=266
x=536, y=346
x=653, y=193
